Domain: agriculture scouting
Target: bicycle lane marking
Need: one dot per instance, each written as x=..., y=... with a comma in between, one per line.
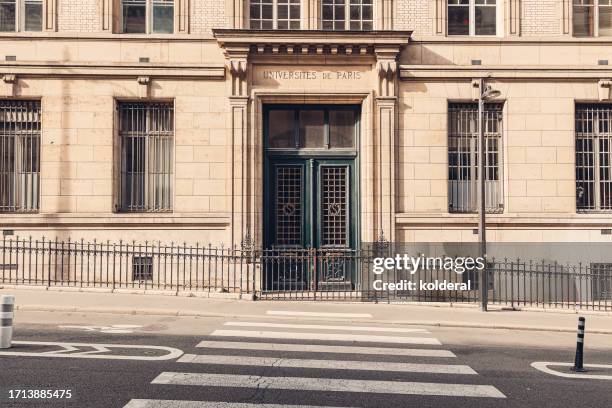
x=67, y=351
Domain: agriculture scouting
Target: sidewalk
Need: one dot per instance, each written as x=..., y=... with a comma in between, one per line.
x=443, y=315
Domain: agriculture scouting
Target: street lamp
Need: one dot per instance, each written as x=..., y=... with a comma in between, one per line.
x=486, y=94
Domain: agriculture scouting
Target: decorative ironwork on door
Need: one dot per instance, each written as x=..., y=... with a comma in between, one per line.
x=289, y=189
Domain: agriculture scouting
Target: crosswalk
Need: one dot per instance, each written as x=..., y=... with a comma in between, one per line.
x=346, y=358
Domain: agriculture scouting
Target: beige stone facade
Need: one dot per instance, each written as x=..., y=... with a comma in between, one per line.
x=402, y=76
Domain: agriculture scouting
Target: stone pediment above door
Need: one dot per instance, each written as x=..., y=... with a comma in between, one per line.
x=304, y=47
x=311, y=42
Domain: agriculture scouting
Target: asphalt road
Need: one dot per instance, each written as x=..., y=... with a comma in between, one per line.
x=94, y=382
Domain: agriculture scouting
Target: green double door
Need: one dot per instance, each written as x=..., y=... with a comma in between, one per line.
x=311, y=212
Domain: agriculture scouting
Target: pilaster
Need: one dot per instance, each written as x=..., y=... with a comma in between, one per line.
x=237, y=64
x=385, y=139
x=50, y=15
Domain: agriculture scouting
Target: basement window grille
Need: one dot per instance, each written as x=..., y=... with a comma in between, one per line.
x=20, y=124
x=146, y=132
x=463, y=157
x=142, y=268
x=593, y=158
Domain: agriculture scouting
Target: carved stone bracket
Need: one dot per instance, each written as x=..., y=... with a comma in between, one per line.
x=144, y=87
x=604, y=88
x=8, y=89
x=387, y=74
x=238, y=71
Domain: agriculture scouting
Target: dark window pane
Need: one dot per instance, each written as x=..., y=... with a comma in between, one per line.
x=459, y=18
x=342, y=125
x=312, y=128
x=134, y=16
x=281, y=125
x=163, y=16
x=33, y=15
x=584, y=21
x=7, y=15
x=486, y=18
x=605, y=20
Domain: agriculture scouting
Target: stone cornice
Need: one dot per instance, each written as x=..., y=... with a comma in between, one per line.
x=442, y=72
x=311, y=41
x=114, y=70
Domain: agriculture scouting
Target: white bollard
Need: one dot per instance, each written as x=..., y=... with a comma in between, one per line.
x=7, y=303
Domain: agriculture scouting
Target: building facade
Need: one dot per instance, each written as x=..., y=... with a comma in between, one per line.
x=309, y=123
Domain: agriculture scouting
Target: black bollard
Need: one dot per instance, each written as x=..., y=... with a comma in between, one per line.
x=579, y=361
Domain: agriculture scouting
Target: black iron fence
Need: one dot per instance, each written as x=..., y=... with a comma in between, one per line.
x=299, y=274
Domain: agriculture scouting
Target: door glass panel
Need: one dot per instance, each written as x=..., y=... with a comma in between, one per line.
x=342, y=128
x=288, y=205
x=334, y=206
x=312, y=128
x=281, y=125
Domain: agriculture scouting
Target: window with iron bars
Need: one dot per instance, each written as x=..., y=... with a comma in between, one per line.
x=463, y=157
x=142, y=268
x=146, y=133
x=601, y=281
x=593, y=157
x=20, y=123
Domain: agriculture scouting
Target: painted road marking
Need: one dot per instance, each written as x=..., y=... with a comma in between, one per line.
x=318, y=314
x=326, y=327
x=543, y=366
x=112, y=329
x=328, y=385
x=66, y=351
x=313, y=348
x=327, y=364
x=325, y=336
x=143, y=403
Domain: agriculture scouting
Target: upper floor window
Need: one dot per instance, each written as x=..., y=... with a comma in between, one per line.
x=21, y=15
x=275, y=14
x=592, y=18
x=347, y=14
x=147, y=16
x=472, y=17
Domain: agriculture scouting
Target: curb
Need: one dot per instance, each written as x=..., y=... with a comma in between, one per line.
x=195, y=313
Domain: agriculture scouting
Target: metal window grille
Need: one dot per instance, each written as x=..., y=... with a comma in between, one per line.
x=601, y=281
x=463, y=157
x=146, y=132
x=20, y=123
x=593, y=157
x=142, y=268
x=347, y=14
x=289, y=185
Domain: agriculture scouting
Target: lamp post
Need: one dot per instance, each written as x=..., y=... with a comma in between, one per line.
x=486, y=93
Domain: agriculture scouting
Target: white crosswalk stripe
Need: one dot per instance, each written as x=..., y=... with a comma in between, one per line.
x=328, y=385
x=326, y=336
x=324, y=327
x=318, y=314
x=142, y=403
x=327, y=364
x=316, y=348
x=231, y=355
